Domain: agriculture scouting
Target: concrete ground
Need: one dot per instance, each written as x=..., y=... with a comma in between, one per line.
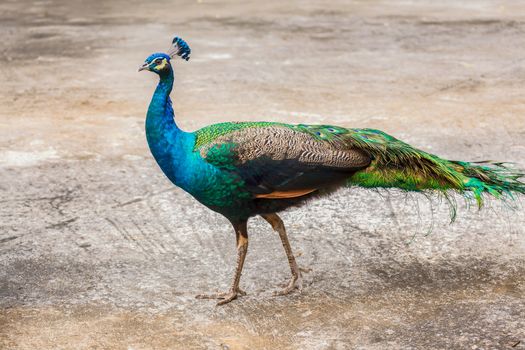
x=99, y=251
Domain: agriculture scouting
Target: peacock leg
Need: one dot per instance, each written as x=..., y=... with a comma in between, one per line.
x=241, y=233
x=296, y=280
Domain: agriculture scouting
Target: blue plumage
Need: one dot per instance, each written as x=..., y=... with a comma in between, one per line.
x=153, y=56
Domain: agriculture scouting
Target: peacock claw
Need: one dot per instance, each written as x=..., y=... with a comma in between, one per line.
x=228, y=297
x=295, y=283
x=225, y=296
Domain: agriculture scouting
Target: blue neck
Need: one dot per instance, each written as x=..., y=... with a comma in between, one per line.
x=166, y=141
x=160, y=113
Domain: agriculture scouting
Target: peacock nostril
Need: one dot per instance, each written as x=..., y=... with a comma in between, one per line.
x=144, y=66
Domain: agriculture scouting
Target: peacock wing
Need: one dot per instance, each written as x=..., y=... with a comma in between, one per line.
x=283, y=161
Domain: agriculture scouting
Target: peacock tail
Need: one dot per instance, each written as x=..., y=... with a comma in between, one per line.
x=397, y=164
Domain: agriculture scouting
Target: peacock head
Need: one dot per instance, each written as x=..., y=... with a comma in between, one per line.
x=157, y=63
x=160, y=63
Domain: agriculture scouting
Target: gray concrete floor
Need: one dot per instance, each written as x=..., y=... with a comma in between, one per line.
x=99, y=251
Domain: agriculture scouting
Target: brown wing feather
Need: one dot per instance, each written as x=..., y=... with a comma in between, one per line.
x=278, y=159
x=280, y=143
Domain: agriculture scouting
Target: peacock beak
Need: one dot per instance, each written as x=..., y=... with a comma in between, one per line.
x=145, y=66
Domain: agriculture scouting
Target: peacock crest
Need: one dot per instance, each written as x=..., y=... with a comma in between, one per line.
x=179, y=48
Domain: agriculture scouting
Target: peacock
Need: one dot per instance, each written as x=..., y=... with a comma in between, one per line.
x=244, y=169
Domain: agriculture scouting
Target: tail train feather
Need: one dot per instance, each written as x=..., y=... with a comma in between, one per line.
x=396, y=164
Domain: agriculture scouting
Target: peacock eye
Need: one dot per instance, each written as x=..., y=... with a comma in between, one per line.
x=158, y=60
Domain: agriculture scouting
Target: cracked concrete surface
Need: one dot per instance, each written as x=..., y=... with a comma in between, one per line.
x=99, y=251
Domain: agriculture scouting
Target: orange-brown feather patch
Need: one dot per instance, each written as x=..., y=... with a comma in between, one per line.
x=285, y=194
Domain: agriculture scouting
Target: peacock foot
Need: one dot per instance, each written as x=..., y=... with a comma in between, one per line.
x=296, y=282
x=225, y=296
